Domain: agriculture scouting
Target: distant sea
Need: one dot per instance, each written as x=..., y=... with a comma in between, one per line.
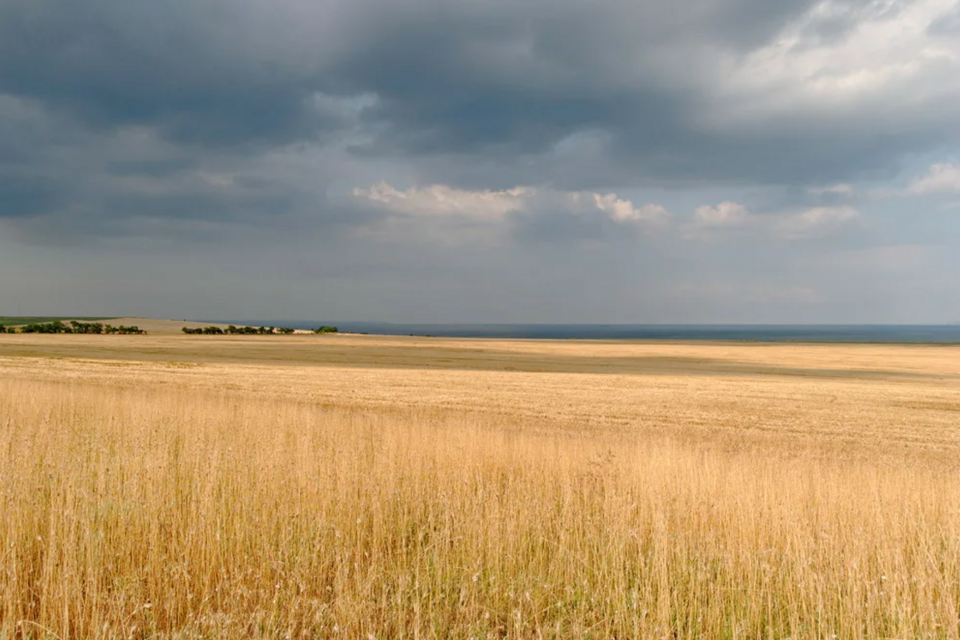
x=736, y=332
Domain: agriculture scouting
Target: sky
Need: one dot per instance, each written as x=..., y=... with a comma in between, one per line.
x=571, y=161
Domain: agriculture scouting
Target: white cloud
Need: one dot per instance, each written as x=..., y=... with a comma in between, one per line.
x=442, y=200
x=709, y=221
x=816, y=222
x=725, y=214
x=487, y=208
x=492, y=206
x=625, y=211
x=889, y=53
x=941, y=178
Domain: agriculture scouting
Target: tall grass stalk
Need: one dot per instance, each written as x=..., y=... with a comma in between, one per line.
x=193, y=514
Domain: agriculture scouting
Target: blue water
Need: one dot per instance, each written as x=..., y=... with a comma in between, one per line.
x=760, y=333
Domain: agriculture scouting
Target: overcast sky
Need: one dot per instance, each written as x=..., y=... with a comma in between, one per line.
x=616, y=161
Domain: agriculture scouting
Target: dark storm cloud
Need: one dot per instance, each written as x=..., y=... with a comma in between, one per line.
x=772, y=156
x=459, y=77
x=58, y=180
x=479, y=94
x=114, y=63
x=28, y=195
x=31, y=183
x=946, y=26
x=450, y=76
x=489, y=85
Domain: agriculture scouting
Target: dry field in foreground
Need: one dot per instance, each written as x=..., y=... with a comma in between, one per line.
x=357, y=487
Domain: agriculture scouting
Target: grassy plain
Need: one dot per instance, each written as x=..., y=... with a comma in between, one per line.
x=360, y=486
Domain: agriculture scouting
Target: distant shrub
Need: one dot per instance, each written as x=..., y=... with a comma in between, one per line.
x=131, y=330
x=326, y=329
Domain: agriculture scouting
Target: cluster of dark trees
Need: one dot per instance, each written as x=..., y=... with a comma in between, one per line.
x=232, y=330
x=250, y=331
x=74, y=326
x=326, y=329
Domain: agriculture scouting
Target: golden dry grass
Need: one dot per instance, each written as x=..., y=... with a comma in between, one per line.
x=355, y=487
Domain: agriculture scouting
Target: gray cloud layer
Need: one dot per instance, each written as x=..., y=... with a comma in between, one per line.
x=206, y=120
x=437, y=78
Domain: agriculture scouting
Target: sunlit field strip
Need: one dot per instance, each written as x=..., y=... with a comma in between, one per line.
x=136, y=513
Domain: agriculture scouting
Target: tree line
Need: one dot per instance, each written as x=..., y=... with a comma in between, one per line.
x=74, y=326
x=233, y=330
x=249, y=331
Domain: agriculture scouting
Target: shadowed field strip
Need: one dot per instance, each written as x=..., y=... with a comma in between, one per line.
x=704, y=359
x=836, y=395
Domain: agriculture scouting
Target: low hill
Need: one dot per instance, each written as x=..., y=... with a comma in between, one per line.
x=159, y=326
x=16, y=321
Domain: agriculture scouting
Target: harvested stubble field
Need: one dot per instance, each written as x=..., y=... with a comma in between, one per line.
x=358, y=487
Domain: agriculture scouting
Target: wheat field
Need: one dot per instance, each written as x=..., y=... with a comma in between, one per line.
x=366, y=487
